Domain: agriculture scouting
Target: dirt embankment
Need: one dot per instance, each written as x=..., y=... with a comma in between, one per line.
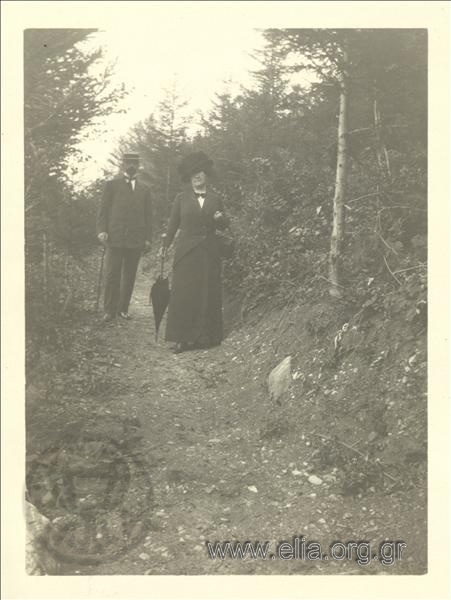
x=140, y=457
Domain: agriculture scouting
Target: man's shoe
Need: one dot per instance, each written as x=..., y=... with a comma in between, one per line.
x=180, y=347
x=125, y=316
x=107, y=318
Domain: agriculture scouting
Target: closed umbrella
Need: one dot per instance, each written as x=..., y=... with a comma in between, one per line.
x=159, y=296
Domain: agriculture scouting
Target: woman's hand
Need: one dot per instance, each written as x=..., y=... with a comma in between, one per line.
x=220, y=220
x=163, y=249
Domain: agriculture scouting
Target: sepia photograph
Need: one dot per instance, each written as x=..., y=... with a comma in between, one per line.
x=225, y=297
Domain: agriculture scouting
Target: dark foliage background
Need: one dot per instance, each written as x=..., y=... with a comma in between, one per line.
x=275, y=151
x=64, y=94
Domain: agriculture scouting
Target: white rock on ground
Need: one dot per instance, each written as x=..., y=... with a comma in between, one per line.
x=279, y=379
x=37, y=526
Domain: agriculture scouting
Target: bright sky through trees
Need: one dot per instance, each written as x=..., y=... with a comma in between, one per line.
x=199, y=58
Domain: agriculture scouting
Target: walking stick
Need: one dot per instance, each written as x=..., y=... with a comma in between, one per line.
x=99, y=282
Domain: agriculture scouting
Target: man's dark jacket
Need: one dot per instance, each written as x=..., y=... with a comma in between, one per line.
x=125, y=214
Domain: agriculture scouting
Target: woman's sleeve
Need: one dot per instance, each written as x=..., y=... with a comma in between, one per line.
x=174, y=222
x=224, y=221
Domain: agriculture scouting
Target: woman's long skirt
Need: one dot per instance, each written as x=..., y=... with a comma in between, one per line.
x=195, y=305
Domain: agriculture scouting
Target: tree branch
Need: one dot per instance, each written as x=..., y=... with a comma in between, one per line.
x=58, y=107
x=362, y=197
x=421, y=265
x=391, y=272
x=365, y=457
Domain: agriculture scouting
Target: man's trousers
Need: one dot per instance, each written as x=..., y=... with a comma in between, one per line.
x=120, y=273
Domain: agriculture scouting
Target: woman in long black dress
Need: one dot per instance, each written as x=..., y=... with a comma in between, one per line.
x=195, y=307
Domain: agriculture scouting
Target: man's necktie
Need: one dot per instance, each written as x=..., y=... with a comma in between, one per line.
x=129, y=181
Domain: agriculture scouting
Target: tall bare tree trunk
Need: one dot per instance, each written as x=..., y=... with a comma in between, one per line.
x=168, y=184
x=335, y=256
x=45, y=266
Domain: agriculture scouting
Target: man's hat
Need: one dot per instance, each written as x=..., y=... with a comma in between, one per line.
x=194, y=163
x=130, y=156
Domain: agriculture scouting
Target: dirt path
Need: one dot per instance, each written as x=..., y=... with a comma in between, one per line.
x=194, y=421
x=211, y=458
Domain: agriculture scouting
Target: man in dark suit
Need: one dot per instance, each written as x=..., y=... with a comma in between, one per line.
x=124, y=224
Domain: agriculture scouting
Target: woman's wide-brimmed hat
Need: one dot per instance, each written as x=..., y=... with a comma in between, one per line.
x=194, y=163
x=130, y=157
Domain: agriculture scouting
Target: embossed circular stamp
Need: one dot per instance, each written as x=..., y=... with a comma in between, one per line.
x=96, y=493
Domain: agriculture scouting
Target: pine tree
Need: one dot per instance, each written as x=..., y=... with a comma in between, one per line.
x=372, y=74
x=171, y=138
x=63, y=97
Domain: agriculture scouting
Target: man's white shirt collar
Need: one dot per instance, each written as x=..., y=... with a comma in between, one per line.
x=133, y=181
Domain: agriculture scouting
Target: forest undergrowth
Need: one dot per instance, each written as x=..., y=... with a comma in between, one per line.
x=206, y=453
